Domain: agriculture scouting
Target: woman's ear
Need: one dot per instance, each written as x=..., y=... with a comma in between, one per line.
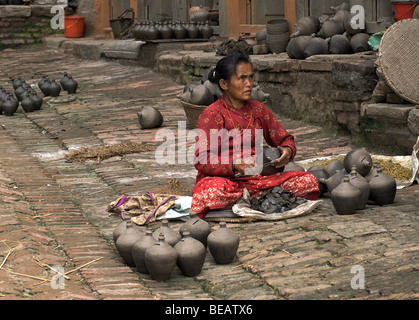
x=223, y=84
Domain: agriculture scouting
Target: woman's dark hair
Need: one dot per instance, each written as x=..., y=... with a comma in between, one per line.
x=227, y=66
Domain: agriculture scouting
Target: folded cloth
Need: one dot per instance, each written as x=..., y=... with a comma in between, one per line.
x=144, y=208
x=181, y=208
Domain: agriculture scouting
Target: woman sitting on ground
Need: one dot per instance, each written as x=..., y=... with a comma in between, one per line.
x=226, y=161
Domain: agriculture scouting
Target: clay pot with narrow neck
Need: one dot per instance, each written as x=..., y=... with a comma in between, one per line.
x=359, y=42
x=296, y=47
x=17, y=83
x=350, y=26
x=362, y=185
x=339, y=44
x=223, y=244
x=160, y=259
x=64, y=79
x=359, y=158
x=37, y=101
x=317, y=45
x=9, y=107
x=27, y=103
x=179, y=31
x=372, y=172
x=334, y=166
x=149, y=117
x=207, y=31
x=190, y=255
x=70, y=85
x=171, y=237
x=345, y=197
x=54, y=89
x=197, y=228
x=330, y=28
x=121, y=227
x=44, y=86
x=139, y=249
x=192, y=30
x=320, y=172
x=201, y=95
x=126, y=240
x=383, y=188
x=20, y=92
x=334, y=180
x=306, y=26
x=166, y=32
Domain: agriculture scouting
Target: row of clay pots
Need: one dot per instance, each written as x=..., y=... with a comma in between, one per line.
x=50, y=87
x=158, y=252
x=180, y=30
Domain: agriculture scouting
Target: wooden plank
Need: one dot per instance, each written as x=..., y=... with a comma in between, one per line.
x=291, y=14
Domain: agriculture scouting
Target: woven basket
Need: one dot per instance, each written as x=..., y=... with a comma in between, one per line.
x=399, y=52
x=192, y=112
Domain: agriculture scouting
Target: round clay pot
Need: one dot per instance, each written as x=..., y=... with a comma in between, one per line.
x=345, y=197
x=277, y=43
x=192, y=30
x=320, y=172
x=340, y=16
x=372, y=172
x=149, y=117
x=151, y=32
x=171, y=237
x=139, y=249
x=214, y=89
x=166, y=32
x=70, y=85
x=190, y=255
x=306, y=26
x=296, y=47
x=64, y=79
x=20, y=92
x=339, y=44
x=334, y=180
x=383, y=188
x=191, y=85
x=9, y=107
x=330, y=28
x=137, y=31
x=160, y=259
x=334, y=166
x=207, y=31
x=125, y=242
x=200, y=95
x=316, y=46
x=277, y=26
x=180, y=31
x=45, y=87
x=343, y=6
x=223, y=244
x=197, y=228
x=121, y=227
x=269, y=154
x=42, y=81
x=359, y=158
x=37, y=101
x=27, y=103
x=17, y=83
x=362, y=185
x=54, y=89
x=359, y=42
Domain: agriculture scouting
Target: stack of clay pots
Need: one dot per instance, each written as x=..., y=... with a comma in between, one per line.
x=277, y=35
x=158, y=252
x=355, y=182
x=335, y=34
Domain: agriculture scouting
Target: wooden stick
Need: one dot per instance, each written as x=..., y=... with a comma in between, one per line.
x=42, y=264
x=7, y=255
x=26, y=275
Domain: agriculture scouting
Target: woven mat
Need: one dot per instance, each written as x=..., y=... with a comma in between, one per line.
x=399, y=52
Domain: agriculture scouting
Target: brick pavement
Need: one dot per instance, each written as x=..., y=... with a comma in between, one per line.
x=48, y=200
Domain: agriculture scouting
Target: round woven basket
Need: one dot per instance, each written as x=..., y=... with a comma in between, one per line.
x=192, y=112
x=399, y=52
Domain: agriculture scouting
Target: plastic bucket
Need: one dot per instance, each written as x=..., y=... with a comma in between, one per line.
x=404, y=9
x=73, y=26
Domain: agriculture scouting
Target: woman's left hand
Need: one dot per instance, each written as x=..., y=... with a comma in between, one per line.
x=284, y=158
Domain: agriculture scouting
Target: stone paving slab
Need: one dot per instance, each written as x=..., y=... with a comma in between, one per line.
x=48, y=200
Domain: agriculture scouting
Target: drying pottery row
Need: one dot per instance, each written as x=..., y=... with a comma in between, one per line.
x=158, y=252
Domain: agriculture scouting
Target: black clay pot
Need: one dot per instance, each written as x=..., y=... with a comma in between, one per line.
x=54, y=89
x=180, y=31
x=197, y=228
x=372, y=172
x=350, y=26
x=223, y=244
x=334, y=180
x=166, y=32
x=190, y=255
x=359, y=42
x=27, y=103
x=362, y=185
x=121, y=227
x=269, y=154
x=9, y=107
x=160, y=260
x=277, y=26
x=330, y=28
x=334, y=166
x=383, y=188
x=64, y=79
x=149, y=117
x=359, y=158
x=207, y=31
x=320, y=172
x=17, y=83
x=306, y=26
x=126, y=241
x=44, y=87
x=192, y=30
x=20, y=91
x=296, y=47
x=345, y=197
x=316, y=46
x=339, y=44
x=70, y=85
x=37, y=101
x=139, y=249
x=171, y=237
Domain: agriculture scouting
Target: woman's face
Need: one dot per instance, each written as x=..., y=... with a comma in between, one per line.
x=239, y=87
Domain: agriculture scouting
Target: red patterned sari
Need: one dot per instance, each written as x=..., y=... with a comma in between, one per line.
x=216, y=186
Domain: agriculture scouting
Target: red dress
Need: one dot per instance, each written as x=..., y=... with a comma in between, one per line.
x=216, y=186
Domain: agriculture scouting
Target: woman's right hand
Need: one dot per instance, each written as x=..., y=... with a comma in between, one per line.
x=241, y=167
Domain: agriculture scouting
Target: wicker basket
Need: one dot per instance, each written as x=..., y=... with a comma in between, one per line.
x=192, y=112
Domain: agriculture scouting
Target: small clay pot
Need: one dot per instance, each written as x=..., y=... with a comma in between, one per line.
x=339, y=44
x=27, y=103
x=317, y=45
x=362, y=185
x=70, y=85
x=372, y=172
x=349, y=28
x=359, y=42
x=191, y=85
x=139, y=249
x=200, y=95
x=17, y=83
x=334, y=180
x=190, y=255
x=64, y=79
x=320, y=172
x=197, y=228
x=277, y=26
x=54, y=89
x=171, y=237
x=160, y=259
x=9, y=107
x=345, y=197
x=179, y=31
x=269, y=154
x=296, y=47
x=149, y=117
x=125, y=242
x=42, y=81
x=37, y=101
x=334, y=166
x=207, y=31
x=330, y=28
x=166, y=32
x=306, y=26
x=383, y=188
x=359, y=158
x=258, y=94
x=45, y=87
x=223, y=244
x=192, y=30
x=20, y=92
x=121, y=227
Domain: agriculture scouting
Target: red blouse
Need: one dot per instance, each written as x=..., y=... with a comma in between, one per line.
x=214, y=154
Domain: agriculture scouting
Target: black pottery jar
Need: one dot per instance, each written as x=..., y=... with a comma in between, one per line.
x=27, y=103
x=64, y=79
x=149, y=117
x=320, y=172
x=197, y=228
x=37, y=101
x=126, y=241
x=345, y=197
x=190, y=255
x=334, y=180
x=17, y=83
x=121, y=227
x=383, y=188
x=171, y=237
x=359, y=158
x=362, y=184
x=139, y=249
x=9, y=107
x=70, y=85
x=223, y=244
x=160, y=259
x=54, y=89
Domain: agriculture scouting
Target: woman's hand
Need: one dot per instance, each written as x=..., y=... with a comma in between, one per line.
x=284, y=158
x=241, y=167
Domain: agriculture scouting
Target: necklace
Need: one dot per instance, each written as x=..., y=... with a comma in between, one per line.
x=232, y=121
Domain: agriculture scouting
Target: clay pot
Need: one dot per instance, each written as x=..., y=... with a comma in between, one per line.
x=45, y=87
x=27, y=103
x=42, y=81
x=160, y=259
x=191, y=85
x=359, y=42
x=292, y=166
x=334, y=180
x=126, y=240
x=121, y=227
x=64, y=79
x=9, y=106
x=306, y=26
x=149, y=117
x=137, y=31
x=20, y=92
x=258, y=94
x=268, y=155
x=349, y=27
x=171, y=237
x=54, y=89
x=207, y=31
x=317, y=46
x=334, y=166
x=201, y=95
x=214, y=89
x=383, y=188
x=223, y=244
x=192, y=30
x=362, y=185
x=37, y=101
x=320, y=172
x=277, y=27
x=372, y=172
x=277, y=43
x=345, y=197
x=17, y=83
x=70, y=85
x=190, y=255
x=186, y=96
x=330, y=28
x=339, y=44
x=139, y=249
x=296, y=47
x=197, y=228
x=341, y=16
x=151, y=32
x=359, y=158
x=180, y=31
x=166, y=32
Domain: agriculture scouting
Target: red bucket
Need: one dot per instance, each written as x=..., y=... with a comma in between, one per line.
x=73, y=26
x=404, y=10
